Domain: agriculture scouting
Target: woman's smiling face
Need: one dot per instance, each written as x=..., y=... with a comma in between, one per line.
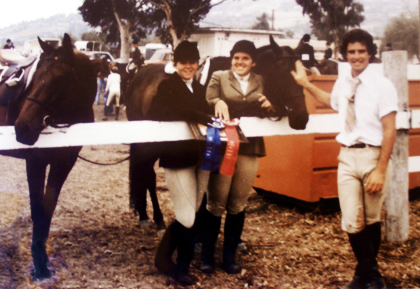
x=186, y=69
x=242, y=63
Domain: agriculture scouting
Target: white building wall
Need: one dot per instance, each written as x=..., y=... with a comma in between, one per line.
x=219, y=43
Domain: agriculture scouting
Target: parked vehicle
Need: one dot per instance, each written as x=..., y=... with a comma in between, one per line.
x=161, y=56
x=100, y=54
x=151, y=48
x=33, y=47
x=88, y=45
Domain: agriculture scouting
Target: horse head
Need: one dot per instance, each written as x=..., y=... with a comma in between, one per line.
x=62, y=91
x=275, y=64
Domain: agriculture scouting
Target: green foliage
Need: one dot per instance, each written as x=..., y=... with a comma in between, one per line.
x=186, y=15
x=146, y=16
x=289, y=33
x=100, y=13
x=262, y=23
x=330, y=19
x=403, y=33
x=93, y=36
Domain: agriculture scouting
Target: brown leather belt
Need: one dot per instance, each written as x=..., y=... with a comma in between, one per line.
x=360, y=146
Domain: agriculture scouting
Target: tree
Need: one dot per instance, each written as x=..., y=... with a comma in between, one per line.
x=181, y=17
x=262, y=23
x=330, y=19
x=172, y=20
x=93, y=36
x=403, y=33
x=118, y=19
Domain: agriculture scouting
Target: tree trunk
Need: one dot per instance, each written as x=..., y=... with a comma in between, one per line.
x=125, y=37
x=125, y=42
x=175, y=40
x=336, y=45
x=172, y=31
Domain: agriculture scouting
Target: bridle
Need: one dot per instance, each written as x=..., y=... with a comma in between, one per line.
x=48, y=120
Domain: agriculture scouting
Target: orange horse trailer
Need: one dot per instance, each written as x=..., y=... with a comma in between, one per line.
x=304, y=167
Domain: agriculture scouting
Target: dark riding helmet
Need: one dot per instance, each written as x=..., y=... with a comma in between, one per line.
x=186, y=51
x=135, y=41
x=244, y=46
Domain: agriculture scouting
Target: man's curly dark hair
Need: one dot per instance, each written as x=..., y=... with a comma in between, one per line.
x=358, y=35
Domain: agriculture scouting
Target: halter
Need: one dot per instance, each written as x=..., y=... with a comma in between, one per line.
x=48, y=120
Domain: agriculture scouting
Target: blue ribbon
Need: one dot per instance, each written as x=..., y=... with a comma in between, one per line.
x=211, y=160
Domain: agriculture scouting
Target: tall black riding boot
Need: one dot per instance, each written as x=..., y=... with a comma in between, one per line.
x=166, y=248
x=357, y=241
x=233, y=231
x=185, y=255
x=212, y=228
x=106, y=112
x=188, y=237
x=374, y=233
x=374, y=277
x=117, y=112
x=365, y=250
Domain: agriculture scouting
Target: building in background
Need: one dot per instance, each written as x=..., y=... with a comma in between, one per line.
x=219, y=41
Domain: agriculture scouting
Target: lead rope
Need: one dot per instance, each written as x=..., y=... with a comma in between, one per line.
x=103, y=164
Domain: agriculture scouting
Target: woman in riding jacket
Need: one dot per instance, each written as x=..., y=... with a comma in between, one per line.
x=181, y=98
x=233, y=93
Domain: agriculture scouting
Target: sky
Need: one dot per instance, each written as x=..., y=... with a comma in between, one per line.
x=35, y=9
x=287, y=12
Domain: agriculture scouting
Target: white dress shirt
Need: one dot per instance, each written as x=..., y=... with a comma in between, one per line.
x=375, y=97
x=243, y=81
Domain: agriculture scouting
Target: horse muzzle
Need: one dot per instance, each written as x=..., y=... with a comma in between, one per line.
x=26, y=132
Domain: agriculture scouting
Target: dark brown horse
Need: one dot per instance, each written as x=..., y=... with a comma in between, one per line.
x=274, y=63
x=62, y=91
x=328, y=67
x=139, y=93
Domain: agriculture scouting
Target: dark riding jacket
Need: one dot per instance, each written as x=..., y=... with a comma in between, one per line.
x=307, y=50
x=137, y=57
x=328, y=53
x=175, y=102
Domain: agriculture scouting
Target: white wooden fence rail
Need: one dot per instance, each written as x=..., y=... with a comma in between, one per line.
x=125, y=132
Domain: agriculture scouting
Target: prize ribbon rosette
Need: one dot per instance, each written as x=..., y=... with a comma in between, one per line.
x=232, y=147
x=211, y=160
x=212, y=154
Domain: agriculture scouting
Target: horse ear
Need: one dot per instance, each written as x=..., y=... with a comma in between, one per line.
x=275, y=47
x=68, y=47
x=48, y=49
x=67, y=41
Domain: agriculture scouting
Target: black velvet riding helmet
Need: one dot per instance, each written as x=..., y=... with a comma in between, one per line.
x=244, y=46
x=186, y=51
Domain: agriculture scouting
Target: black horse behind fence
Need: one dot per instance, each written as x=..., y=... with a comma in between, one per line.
x=62, y=91
x=273, y=62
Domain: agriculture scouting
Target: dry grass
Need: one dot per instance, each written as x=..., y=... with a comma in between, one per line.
x=95, y=240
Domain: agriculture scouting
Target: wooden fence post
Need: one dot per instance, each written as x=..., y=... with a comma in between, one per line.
x=396, y=203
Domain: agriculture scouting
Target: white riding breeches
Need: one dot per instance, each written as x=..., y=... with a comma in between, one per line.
x=187, y=187
x=111, y=96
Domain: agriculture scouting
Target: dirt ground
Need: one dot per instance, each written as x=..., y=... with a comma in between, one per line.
x=95, y=240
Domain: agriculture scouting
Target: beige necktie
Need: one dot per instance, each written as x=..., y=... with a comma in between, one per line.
x=351, y=116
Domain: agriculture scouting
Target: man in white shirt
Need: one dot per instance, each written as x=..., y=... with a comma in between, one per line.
x=366, y=103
